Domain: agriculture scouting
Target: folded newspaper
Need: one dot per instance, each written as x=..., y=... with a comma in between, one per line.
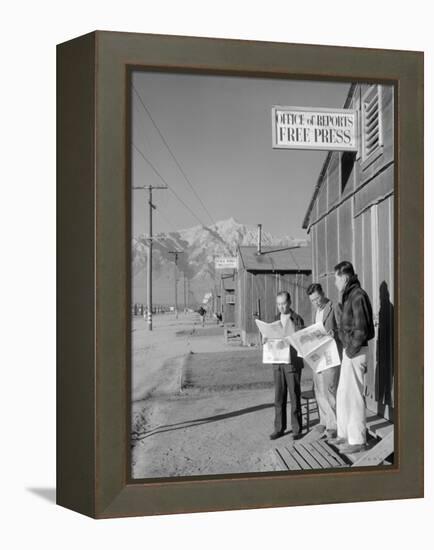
x=312, y=343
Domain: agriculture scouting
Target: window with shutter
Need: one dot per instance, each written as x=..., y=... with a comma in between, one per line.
x=372, y=138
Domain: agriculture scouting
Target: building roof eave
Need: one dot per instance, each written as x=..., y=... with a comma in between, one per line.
x=316, y=190
x=306, y=221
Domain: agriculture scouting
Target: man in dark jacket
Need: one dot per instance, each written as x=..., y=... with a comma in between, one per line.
x=356, y=328
x=287, y=376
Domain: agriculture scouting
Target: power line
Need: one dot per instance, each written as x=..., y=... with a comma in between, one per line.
x=159, y=239
x=294, y=260
x=157, y=173
x=173, y=155
x=167, y=236
x=145, y=240
x=228, y=248
x=169, y=224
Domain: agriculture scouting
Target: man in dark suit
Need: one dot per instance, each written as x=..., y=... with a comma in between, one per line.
x=287, y=376
x=326, y=382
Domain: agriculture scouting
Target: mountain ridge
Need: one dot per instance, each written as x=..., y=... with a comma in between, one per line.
x=198, y=246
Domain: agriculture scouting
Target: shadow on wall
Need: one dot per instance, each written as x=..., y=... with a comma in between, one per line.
x=384, y=370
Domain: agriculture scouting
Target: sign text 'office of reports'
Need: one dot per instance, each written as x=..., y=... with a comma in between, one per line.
x=314, y=128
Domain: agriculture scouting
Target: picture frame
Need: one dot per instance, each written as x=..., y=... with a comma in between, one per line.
x=93, y=377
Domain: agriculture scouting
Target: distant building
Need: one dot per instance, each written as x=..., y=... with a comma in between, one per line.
x=350, y=217
x=217, y=301
x=227, y=300
x=260, y=277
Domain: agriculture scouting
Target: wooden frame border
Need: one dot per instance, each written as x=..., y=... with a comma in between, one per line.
x=93, y=273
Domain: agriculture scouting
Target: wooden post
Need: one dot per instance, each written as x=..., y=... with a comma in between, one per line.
x=149, y=266
x=175, y=253
x=149, y=270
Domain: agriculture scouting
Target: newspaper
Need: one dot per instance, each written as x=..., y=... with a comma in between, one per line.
x=276, y=349
x=312, y=343
x=324, y=357
x=271, y=331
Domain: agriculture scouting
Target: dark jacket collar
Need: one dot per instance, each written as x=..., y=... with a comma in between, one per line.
x=352, y=283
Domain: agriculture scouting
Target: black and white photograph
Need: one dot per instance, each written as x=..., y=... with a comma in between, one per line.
x=262, y=287
x=216, y=222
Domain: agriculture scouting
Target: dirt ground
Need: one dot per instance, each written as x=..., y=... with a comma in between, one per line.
x=157, y=355
x=219, y=423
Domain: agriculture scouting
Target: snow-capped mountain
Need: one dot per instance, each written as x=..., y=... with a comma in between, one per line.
x=199, y=245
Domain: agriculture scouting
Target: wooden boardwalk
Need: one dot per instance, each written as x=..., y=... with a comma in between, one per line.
x=313, y=455
x=313, y=452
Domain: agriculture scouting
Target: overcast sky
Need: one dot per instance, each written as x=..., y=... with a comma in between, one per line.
x=219, y=130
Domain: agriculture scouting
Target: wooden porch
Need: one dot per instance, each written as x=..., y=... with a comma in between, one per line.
x=313, y=452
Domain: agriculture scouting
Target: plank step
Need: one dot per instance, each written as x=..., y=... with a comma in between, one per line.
x=377, y=425
x=313, y=452
x=310, y=455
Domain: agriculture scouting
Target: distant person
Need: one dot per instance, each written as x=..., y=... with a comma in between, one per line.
x=326, y=382
x=356, y=328
x=218, y=317
x=202, y=313
x=287, y=376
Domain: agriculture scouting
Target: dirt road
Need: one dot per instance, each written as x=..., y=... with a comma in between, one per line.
x=211, y=427
x=157, y=355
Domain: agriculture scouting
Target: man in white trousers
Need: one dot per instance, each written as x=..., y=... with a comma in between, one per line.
x=356, y=328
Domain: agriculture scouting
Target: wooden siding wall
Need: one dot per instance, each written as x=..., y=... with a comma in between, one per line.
x=228, y=310
x=256, y=295
x=217, y=306
x=352, y=219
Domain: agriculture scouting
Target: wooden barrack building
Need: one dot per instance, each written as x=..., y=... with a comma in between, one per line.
x=350, y=217
x=260, y=277
x=228, y=299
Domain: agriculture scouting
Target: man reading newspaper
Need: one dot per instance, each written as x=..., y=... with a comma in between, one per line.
x=286, y=344
x=287, y=364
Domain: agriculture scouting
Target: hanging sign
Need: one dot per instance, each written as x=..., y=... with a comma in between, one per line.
x=226, y=262
x=314, y=128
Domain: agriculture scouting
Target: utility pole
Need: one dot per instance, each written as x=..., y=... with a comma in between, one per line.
x=185, y=301
x=259, y=248
x=260, y=252
x=152, y=206
x=176, y=252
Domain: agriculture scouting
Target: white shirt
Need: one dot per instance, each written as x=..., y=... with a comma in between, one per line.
x=287, y=324
x=319, y=315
